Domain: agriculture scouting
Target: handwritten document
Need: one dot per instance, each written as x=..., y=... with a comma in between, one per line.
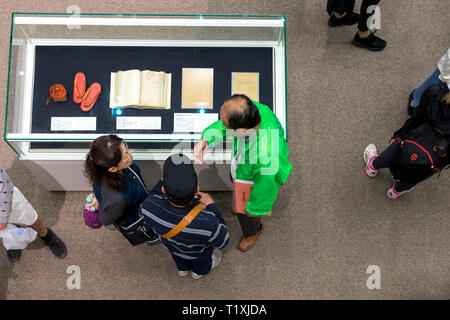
x=246, y=83
x=197, y=88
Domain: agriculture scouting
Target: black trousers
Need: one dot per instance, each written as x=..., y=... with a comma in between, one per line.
x=384, y=161
x=364, y=16
x=340, y=6
x=347, y=6
x=250, y=225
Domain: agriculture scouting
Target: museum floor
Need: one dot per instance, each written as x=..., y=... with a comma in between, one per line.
x=330, y=222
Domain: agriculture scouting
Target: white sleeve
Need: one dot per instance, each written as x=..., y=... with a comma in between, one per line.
x=444, y=68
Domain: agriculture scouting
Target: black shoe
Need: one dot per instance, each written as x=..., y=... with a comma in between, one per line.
x=14, y=255
x=372, y=42
x=55, y=244
x=411, y=98
x=344, y=21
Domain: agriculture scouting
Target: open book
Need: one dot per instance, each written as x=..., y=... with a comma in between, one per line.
x=140, y=89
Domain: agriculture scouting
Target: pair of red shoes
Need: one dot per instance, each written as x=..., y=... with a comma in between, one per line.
x=88, y=97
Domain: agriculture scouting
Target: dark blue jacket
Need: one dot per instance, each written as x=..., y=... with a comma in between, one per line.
x=134, y=194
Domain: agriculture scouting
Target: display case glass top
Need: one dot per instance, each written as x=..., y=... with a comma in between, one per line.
x=154, y=80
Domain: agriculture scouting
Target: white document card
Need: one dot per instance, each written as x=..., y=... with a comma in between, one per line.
x=73, y=124
x=138, y=123
x=193, y=122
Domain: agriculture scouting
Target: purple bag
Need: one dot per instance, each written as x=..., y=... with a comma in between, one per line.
x=91, y=219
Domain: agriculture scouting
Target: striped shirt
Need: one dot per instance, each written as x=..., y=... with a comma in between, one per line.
x=206, y=232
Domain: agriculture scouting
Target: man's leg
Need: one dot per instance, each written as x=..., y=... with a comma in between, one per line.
x=183, y=265
x=399, y=189
x=39, y=228
x=364, y=38
x=364, y=16
x=252, y=228
x=202, y=266
x=23, y=213
x=374, y=161
x=341, y=7
x=385, y=158
x=341, y=13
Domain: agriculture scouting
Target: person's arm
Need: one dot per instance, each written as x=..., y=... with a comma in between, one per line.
x=220, y=236
x=425, y=100
x=6, y=195
x=214, y=133
x=112, y=206
x=110, y=212
x=420, y=114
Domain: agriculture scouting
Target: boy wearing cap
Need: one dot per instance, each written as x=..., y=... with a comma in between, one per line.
x=188, y=222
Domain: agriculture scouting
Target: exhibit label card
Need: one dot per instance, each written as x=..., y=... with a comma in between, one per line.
x=73, y=124
x=193, y=122
x=138, y=123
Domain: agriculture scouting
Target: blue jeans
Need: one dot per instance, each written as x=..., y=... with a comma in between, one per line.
x=200, y=266
x=433, y=79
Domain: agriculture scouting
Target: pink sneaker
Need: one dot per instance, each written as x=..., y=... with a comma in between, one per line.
x=392, y=194
x=370, y=153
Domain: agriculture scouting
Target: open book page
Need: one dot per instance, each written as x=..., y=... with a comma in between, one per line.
x=154, y=87
x=246, y=83
x=197, y=88
x=127, y=88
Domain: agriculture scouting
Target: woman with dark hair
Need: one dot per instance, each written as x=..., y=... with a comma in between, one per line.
x=110, y=169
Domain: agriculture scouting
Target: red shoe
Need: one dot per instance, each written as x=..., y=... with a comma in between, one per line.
x=79, y=87
x=91, y=96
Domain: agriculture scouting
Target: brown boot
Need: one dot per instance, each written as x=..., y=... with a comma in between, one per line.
x=248, y=242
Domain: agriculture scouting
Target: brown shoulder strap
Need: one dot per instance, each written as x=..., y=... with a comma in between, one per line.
x=184, y=222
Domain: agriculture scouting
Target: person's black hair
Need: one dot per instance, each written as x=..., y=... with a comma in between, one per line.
x=105, y=152
x=246, y=117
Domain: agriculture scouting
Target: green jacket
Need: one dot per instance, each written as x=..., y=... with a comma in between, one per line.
x=263, y=158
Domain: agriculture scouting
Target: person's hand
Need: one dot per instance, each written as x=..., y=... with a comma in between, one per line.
x=199, y=151
x=205, y=199
x=2, y=226
x=94, y=203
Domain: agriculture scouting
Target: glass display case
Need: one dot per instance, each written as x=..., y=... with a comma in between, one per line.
x=49, y=49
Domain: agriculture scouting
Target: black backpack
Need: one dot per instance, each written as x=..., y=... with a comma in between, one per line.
x=423, y=152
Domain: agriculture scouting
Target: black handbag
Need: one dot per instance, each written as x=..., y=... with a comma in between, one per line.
x=137, y=232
